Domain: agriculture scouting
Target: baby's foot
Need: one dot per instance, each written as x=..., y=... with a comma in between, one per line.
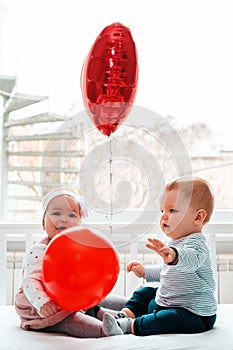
x=110, y=326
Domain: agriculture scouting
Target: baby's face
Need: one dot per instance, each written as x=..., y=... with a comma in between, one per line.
x=62, y=212
x=177, y=219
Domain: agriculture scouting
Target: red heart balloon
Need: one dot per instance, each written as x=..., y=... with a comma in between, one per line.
x=80, y=267
x=109, y=78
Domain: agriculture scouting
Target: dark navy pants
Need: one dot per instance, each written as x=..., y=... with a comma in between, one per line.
x=154, y=319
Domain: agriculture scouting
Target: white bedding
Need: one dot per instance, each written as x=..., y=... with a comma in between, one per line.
x=14, y=338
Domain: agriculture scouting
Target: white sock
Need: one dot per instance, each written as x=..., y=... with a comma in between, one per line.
x=112, y=326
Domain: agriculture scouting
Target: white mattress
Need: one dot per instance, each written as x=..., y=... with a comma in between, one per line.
x=14, y=338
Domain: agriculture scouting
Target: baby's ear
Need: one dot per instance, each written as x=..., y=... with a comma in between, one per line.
x=200, y=216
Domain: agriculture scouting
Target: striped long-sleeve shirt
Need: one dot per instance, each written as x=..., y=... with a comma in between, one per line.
x=190, y=283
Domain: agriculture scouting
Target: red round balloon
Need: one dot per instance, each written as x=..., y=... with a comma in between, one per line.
x=109, y=78
x=80, y=267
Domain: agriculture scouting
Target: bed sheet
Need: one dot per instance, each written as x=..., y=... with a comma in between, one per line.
x=12, y=337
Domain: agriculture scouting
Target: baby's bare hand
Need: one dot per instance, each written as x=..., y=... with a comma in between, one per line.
x=162, y=249
x=155, y=244
x=137, y=268
x=50, y=308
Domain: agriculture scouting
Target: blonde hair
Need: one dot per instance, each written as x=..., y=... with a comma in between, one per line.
x=198, y=191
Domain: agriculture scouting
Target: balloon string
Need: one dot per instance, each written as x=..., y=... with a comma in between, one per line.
x=110, y=181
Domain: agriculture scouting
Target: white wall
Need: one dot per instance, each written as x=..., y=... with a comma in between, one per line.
x=3, y=13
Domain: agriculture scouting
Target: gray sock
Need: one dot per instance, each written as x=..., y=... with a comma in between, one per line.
x=115, y=313
x=112, y=326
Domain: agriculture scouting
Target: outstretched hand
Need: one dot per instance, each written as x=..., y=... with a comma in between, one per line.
x=167, y=253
